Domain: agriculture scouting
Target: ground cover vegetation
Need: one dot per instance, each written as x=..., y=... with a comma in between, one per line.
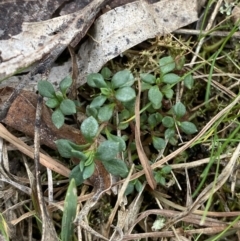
x=181, y=103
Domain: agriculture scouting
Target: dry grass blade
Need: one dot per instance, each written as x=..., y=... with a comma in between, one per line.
x=27, y=150
x=142, y=156
x=119, y=200
x=188, y=144
x=210, y=189
x=48, y=230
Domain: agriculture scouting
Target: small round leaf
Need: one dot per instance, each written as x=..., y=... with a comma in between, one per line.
x=89, y=128
x=96, y=80
x=98, y=101
x=138, y=186
x=154, y=119
x=107, y=151
x=169, y=133
x=166, y=169
x=189, y=81
x=88, y=171
x=65, y=84
x=46, y=89
x=125, y=94
x=119, y=140
x=64, y=147
x=168, y=121
x=106, y=73
x=68, y=107
x=188, y=127
x=171, y=78
x=179, y=109
x=58, y=118
x=116, y=167
x=52, y=103
x=123, y=78
x=166, y=64
x=158, y=143
x=148, y=78
x=105, y=113
x=155, y=96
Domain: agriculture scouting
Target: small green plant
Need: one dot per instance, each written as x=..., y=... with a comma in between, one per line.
x=227, y=7
x=115, y=93
x=112, y=109
x=161, y=175
x=106, y=152
x=58, y=100
x=162, y=87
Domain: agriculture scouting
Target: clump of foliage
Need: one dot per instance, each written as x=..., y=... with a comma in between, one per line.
x=58, y=100
x=113, y=105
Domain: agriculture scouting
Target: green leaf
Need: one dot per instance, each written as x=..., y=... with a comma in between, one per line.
x=69, y=212
x=68, y=107
x=91, y=112
x=138, y=186
x=116, y=167
x=166, y=169
x=155, y=96
x=106, y=91
x=179, y=109
x=59, y=96
x=98, y=101
x=88, y=171
x=188, y=127
x=148, y=78
x=64, y=147
x=167, y=91
x=160, y=179
x=122, y=126
x=118, y=139
x=189, y=81
x=96, y=80
x=65, y=84
x=78, y=154
x=171, y=78
x=107, y=150
x=173, y=141
x=89, y=128
x=123, y=78
x=154, y=119
x=145, y=86
x=46, y=89
x=77, y=175
x=166, y=64
x=124, y=115
x=168, y=121
x=106, y=73
x=158, y=143
x=129, y=189
x=105, y=113
x=169, y=133
x=125, y=94
x=52, y=103
x=58, y=118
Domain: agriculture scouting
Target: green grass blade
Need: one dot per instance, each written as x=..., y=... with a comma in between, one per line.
x=69, y=212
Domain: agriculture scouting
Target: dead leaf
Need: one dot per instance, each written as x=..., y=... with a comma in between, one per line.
x=142, y=156
x=21, y=116
x=39, y=39
x=124, y=27
x=29, y=11
x=45, y=160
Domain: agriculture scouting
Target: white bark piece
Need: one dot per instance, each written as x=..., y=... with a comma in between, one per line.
x=128, y=25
